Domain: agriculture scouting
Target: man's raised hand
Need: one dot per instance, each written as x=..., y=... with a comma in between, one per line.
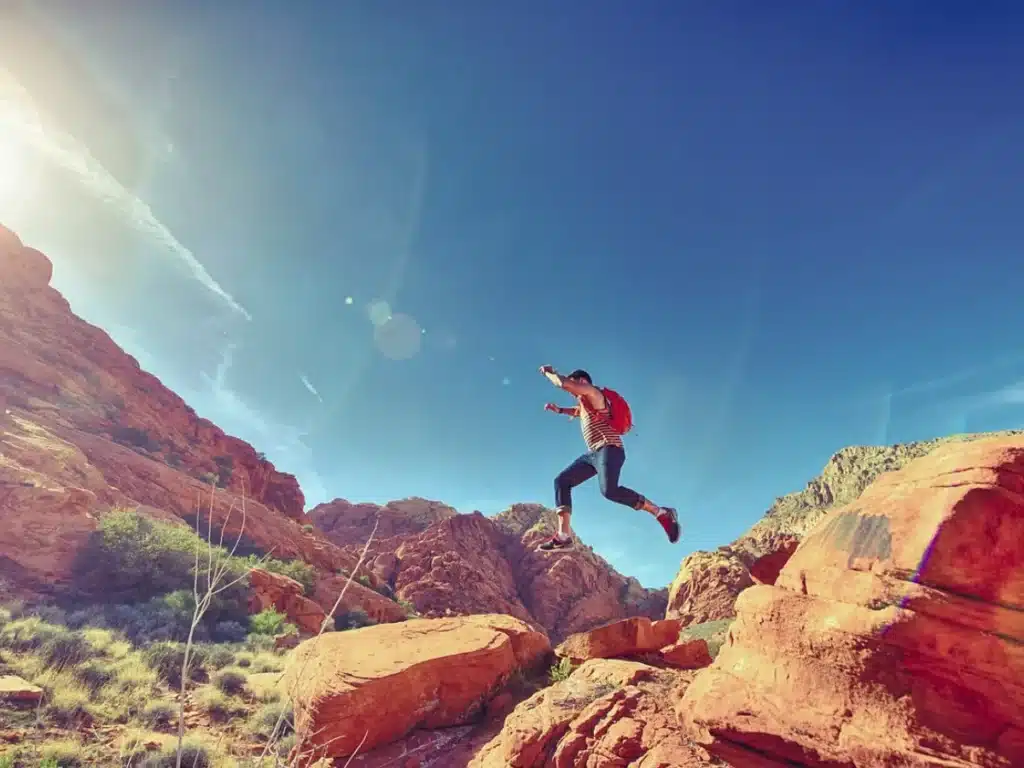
x=552, y=407
x=546, y=369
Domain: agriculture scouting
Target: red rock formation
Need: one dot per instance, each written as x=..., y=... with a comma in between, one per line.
x=345, y=523
x=364, y=688
x=85, y=430
x=565, y=593
x=272, y=590
x=895, y=633
x=607, y=713
x=71, y=374
x=631, y=637
x=706, y=587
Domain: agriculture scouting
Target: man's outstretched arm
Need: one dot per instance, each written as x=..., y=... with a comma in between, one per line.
x=578, y=388
x=569, y=385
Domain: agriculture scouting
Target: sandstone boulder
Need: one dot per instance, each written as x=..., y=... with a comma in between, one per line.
x=706, y=586
x=15, y=690
x=631, y=637
x=686, y=654
x=607, y=713
x=363, y=688
x=895, y=633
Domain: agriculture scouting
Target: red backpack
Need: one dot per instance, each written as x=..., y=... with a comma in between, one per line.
x=619, y=415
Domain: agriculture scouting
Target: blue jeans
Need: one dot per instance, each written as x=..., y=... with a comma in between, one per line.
x=606, y=462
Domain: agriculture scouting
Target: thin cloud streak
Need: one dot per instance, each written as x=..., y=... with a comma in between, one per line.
x=19, y=122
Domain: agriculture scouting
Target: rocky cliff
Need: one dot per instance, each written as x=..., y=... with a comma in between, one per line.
x=84, y=429
x=436, y=553
x=708, y=583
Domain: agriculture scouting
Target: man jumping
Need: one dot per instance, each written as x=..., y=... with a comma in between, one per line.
x=604, y=459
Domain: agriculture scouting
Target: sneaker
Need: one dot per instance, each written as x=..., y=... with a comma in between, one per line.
x=555, y=542
x=669, y=521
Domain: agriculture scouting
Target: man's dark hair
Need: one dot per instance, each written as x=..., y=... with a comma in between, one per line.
x=579, y=373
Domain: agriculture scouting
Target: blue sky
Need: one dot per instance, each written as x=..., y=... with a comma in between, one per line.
x=778, y=229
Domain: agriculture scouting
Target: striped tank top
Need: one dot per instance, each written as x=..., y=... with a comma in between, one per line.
x=597, y=430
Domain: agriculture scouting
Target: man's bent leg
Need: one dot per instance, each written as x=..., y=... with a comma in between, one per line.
x=609, y=466
x=578, y=472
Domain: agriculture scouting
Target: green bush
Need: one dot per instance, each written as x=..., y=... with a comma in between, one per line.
x=167, y=659
x=219, y=656
x=267, y=622
x=274, y=720
x=159, y=714
x=131, y=558
x=230, y=681
x=95, y=674
x=194, y=754
x=29, y=633
x=561, y=670
x=66, y=648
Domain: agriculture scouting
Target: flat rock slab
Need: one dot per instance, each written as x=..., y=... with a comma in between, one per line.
x=14, y=689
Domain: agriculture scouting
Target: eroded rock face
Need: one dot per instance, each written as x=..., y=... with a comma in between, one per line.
x=621, y=639
x=607, y=713
x=895, y=633
x=706, y=587
x=368, y=687
x=272, y=590
x=562, y=593
x=83, y=429
x=346, y=523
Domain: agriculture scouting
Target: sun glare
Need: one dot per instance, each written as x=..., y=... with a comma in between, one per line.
x=18, y=162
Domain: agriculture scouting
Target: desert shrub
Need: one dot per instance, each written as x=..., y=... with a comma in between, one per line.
x=259, y=643
x=561, y=670
x=267, y=622
x=409, y=608
x=266, y=661
x=131, y=558
x=308, y=528
x=64, y=753
x=243, y=659
x=271, y=721
x=219, y=656
x=107, y=642
x=166, y=659
x=51, y=614
x=194, y=754
x=66, y=705
x=66, y=648
x=219, y=706
x=229, y=632
x=132, y=746
x=364, y=580
x=29, y=633
x=159, y=714
x=230, y=681
x=353, y=619
x=94, y=675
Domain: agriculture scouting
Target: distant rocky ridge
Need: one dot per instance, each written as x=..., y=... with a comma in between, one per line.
x=438, y=553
